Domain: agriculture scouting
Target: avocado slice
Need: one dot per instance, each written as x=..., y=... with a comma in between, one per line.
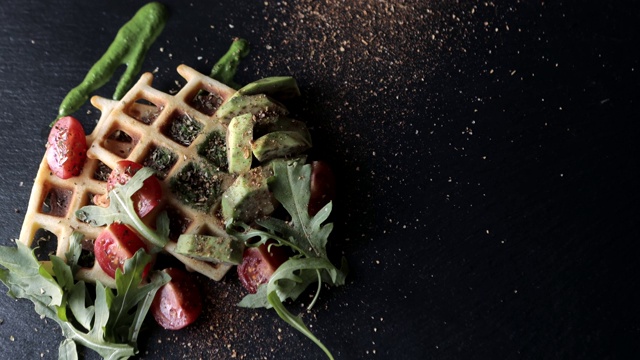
x=279, y=144
x=261, y=106
x=280, y=87
x=248, y=198
x=282, y=123
x=239, y=137
x=210, y=248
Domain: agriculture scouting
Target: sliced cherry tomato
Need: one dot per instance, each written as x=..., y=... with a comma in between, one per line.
x=177, y=303
x=145, y=199
x=258, y=265
x=323, y=186
x=66, y=148
x=114, y=246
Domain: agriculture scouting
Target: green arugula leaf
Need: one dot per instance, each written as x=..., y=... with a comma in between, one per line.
x=121, y=313
x=306, y=235
x=291, y=189
x=121, y=209
x=76, y=301
x=75, y=250
x=67, y=350
x=131, y=295
x=28, y=276
x=295, y=322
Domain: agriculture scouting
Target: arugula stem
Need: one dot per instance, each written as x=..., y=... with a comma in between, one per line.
x=98, y=346
x=142, y=228
x=295, y=322
x=264, y=234
x=317, y=295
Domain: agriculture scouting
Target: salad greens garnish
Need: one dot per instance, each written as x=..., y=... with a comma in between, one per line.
x=109, y=325
x=306, y=235
x=121, y=209
x=128, y=48
x=225, y=69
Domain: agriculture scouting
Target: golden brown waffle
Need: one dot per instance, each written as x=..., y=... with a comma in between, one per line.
x=142, y=128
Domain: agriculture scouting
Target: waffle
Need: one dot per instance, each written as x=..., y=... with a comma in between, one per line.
x=179, y=135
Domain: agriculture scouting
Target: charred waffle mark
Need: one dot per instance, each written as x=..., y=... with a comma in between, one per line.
x=120, y=143
x=102, y=172
x=56, y=202
x=144, y=111
x=46, y=244
x=161, y=160
x=87, y=256
x=214, y=149
x=206, y=103
x=178, y=222
x=197, y=186
x=183, y=129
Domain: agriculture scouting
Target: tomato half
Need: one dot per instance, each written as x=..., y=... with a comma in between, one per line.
x=114, y=246
x=177, y=303
x=145, y=199
x=258, y=265
x=66, y=148
x=323, y=186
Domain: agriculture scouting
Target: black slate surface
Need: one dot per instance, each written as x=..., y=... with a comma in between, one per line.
x=486, y=155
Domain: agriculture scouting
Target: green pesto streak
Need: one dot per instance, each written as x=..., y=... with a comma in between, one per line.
x=128, y=48
x=225, y=69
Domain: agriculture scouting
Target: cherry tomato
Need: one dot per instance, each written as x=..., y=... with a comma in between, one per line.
x=145, y=199
x=258, y=265
x=177, y=303
x=66, y=148
x=323, y=186
x=114, y=246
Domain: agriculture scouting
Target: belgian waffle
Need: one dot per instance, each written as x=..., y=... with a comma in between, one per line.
x=178, y=135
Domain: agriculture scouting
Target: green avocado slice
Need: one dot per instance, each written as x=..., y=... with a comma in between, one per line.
x=260, y=106
x=279, y=144
x=279, y=87
x=210, y=248
x=248, y=198
x=239, y=137
x=282, y=123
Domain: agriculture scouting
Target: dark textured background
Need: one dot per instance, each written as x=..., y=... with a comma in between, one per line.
x=485, y=152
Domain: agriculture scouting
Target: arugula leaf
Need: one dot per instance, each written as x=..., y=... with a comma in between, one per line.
x=22, y=275
x=295, y=322
x=67, y=350
x=57, y=295
x=131, y=295
x=291, y=189
x=121, y=209
x=82, y=313
x=306, y=235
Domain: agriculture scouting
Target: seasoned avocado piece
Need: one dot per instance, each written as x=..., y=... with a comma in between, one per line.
x=279, y=144
x=239, y=137
x=210, y=248
x=282, y=124
x=280, y=87
x=248, y=198
x=261, y=106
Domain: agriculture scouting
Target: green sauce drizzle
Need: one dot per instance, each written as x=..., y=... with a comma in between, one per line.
x=225, y=69
x=128, y=48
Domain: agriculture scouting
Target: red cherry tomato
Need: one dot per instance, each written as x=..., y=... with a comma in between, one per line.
x=177, y=303
x=258, y=265
x=66, y=148
x=145, y=199
x=323, y=186
x=114, y=246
